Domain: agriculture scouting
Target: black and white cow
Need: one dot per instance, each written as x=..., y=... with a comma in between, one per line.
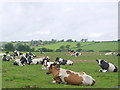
x=76, y=54
x=29, y=54
x=72, y=53
x=16, y=54
x=46, y=63
x=118, y=54
x=63, y=62
x=6, y=58
x=20, y=62
x=106, y=67
x=37, y=60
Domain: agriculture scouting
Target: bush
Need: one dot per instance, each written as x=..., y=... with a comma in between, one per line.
x=45, y=50
x=58, y=50
x=105, y=51
x=78, y=50
x=90, y=50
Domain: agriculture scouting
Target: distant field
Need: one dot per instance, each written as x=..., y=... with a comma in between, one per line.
x=33, y=76
x=112, y=46
x=57, y=45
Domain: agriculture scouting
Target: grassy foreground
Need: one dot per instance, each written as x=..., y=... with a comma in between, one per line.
x=32, y=76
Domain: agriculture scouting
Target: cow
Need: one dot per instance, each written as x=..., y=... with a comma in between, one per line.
x=37, y=60
x=118, y=54
x=20, y=62
x=63, y=62
x=29, y=54
x=72, y=53
x=69, y=77
x=76, y=54
x=110, y=53
x=16, y=54
x=6, y=58
x=46, y=64
x=106, y=67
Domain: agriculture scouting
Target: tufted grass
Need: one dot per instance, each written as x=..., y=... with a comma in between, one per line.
x=32, y=76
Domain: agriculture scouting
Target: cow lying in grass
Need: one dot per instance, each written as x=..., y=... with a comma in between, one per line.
x=6, y=58
x=20, y=62
x=72, y=53
x=106, y=67
x=63, y=62
x=69, y=77
x=46, y=64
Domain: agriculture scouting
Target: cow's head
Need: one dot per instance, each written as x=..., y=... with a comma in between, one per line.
x=100, y=61
x=57, y=59
x=54, y=68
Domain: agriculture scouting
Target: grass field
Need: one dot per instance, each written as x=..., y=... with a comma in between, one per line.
x=32, y=76
x=112, y=46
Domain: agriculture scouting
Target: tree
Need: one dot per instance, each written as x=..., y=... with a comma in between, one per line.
x=23, y=48
x=78, y=45
x=82, y=40
x=69, y=40
x=67, y=46
x=85, y=40
x=9, y=47
x=58, y=50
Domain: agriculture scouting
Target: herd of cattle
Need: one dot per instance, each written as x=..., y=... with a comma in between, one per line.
x=60, y=75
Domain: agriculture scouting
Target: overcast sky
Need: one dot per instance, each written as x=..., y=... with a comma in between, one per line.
x=47, y=20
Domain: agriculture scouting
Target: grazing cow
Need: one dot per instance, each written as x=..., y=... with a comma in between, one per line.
x=110, y=53
x=6, y=58
x=64, y=62
x=20, y=62
x=106, y=67
x=69, y=77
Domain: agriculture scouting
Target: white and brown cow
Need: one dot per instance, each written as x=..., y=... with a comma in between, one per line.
x=69, y=77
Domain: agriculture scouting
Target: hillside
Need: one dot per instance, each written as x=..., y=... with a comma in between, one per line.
x=112, y=46
x=57, y=45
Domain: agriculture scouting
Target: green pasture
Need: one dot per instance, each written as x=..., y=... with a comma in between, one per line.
x=32, y=76
x=112, y=46
x=57, y=45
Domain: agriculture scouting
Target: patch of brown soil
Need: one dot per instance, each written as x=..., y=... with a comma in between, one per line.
x=83, y=60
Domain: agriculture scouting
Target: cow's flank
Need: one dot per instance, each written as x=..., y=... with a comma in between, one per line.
x=73, y=78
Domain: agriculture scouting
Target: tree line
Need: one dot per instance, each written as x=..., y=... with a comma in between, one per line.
x=21, y=47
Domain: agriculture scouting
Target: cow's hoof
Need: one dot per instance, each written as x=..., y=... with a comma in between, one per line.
x=53, y=81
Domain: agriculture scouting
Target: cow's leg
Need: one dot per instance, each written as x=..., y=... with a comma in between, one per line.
x=57, y=80
x=100, y=70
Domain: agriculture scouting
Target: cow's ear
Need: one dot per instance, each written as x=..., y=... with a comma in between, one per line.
x=96, y=60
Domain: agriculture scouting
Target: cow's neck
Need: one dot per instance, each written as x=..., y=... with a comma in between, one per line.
x=55, y=72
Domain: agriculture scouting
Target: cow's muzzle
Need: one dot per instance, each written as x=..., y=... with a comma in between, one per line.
x=48, y=72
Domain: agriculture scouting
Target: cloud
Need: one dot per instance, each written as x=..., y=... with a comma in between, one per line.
x=59, y=20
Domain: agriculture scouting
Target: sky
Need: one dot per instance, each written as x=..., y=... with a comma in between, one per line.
x=25, y=21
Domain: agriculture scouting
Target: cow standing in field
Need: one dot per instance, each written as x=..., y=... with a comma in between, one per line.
x=69, y=77
x=63, y=62
x=106, y=67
